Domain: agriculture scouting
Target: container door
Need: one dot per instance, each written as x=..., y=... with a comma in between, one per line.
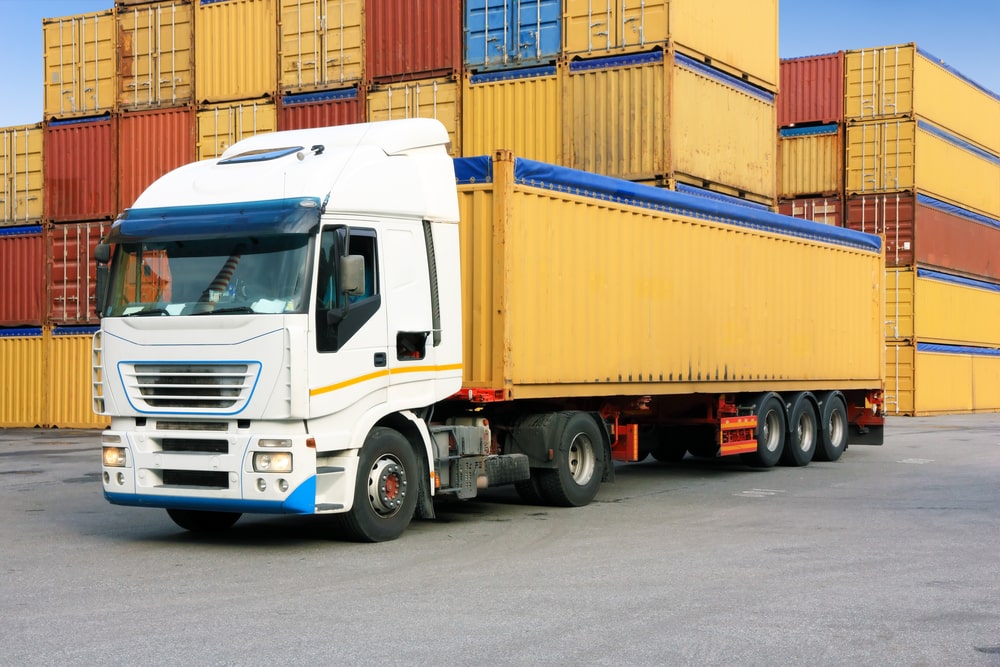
x=539, y=37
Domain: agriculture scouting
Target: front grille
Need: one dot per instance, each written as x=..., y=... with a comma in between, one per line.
x=200, y=446
x=190, y=387
x=201, y=478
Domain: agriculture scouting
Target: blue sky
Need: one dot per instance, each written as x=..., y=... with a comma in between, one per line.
x=963, y=33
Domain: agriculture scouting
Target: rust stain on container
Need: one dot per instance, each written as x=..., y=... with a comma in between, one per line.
x=321, y=45
x=72, y=271
x=22, y=276
x=812, y=90
x=306, y=110
x=81, y=171
x=150, y=144
x=412, y=40
x=80, y=65
x=825, y=210
x=23, y=183
x=155, y=54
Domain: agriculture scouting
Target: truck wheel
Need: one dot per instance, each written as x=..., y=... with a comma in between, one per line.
x=386, y=490
x=833, y=428
x=579, y=464
x=803, y=433
x=200, y=521
x=770, y=433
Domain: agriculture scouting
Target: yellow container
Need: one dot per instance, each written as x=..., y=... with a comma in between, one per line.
x=902, y=80
x=935, y=307
x=23, y=184
x=222, y=125
x=595, y=28
x=810, y=162
x=423, y=98
x=22, y=383
x=929, y=379
x=155, y=55
x=579, y=285
x=68, y=379
x=903, y=155
x=520, y=110
x=321, y=44
x=80, y=64
x=236, y=50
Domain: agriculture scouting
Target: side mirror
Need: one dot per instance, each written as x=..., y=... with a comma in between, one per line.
x=102, y=253
x=352, y=275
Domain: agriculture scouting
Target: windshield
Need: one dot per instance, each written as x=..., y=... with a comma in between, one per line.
x=265, y=274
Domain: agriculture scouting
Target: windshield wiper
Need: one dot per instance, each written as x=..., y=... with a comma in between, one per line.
x=150, y=311
x=231, y=309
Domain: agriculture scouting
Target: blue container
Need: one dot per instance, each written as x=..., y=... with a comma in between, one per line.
x=501, y=34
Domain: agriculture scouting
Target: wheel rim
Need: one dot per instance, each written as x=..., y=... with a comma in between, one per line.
x=581, y=459
x=837, y=428
x=806, y=431
x=770, y=433
x=386, y=486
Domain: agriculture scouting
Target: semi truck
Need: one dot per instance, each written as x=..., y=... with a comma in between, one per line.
x=347, y=321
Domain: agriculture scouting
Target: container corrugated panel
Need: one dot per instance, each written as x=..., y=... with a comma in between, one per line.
x=903, y=81
x=22, y=276
x=903, y=155
x=412, y=40
x=80, y=167
x=22, y=188
x=812, y=90
x=930, y=379
x=150, y=144
x=335, y=107
x=529, y=290
x=236, y=49
x=937, y=307
x=72, y=271
x=69, y=379
x=890, y=215
x=520, y=110
x=438, y=98
x=722, y=130
x=499, y=33
x=222, y=125
x=321, y=44
x=824, y=210
x=22, y=378
x=737, y=36
x=597, y=28
x=811, y=161
x=155, y=54
x=80, y=64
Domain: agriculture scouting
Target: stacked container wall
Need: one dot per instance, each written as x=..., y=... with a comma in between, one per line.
x=22, y=276
x=599, y=28
x=22, y=378
x=321, y=45
x=425, y=98
x=935, y=307
x=928, y=379
x=409, y=40
x=72, y=271
x=520, y=110
x=235, y=49
x=80, y=65
x=80, y=167
x=335, y=107
x=69, y=379
x=222, y=125
x=23, y=184
x=502, y=34
x=825, y=210
x=151, y=143
x=812, y=90
x=811, y=161
x=155, y=54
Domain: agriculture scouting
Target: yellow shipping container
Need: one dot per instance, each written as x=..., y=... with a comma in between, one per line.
x=810, y=161
x=903, y=155
x=424, y=98
x=23, y=184
x=904, y=81
x=929, y=379
x=80, y=64
x=595, y=28
x=222, y=125
x=548, y=253
x=155, y=55
x=22, y=360
x=520, y=110
x=321, y=44
x=936, y=307
x=236, y=50
x=68, y=379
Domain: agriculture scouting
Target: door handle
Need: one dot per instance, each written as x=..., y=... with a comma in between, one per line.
x=380, y=359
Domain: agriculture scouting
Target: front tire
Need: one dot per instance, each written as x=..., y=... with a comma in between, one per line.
x=200, y=521
x=770, y=433
x=579, y=455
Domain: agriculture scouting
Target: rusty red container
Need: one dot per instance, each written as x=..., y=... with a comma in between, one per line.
x=71, y=283
x=811, y=90
x=408, y=40
x=827, y=210
x=80, y=168
x=22, y=276
x=333, y=107
x=151, y=143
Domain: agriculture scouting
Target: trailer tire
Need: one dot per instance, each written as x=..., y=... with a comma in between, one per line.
x=803, y=433
x=833, y=428
x=770, y=433
x=386, y=489
x=201, y=521
x=579, y=458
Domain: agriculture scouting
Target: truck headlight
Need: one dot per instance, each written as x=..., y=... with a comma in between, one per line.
x=114, y=457
x=272, y=462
